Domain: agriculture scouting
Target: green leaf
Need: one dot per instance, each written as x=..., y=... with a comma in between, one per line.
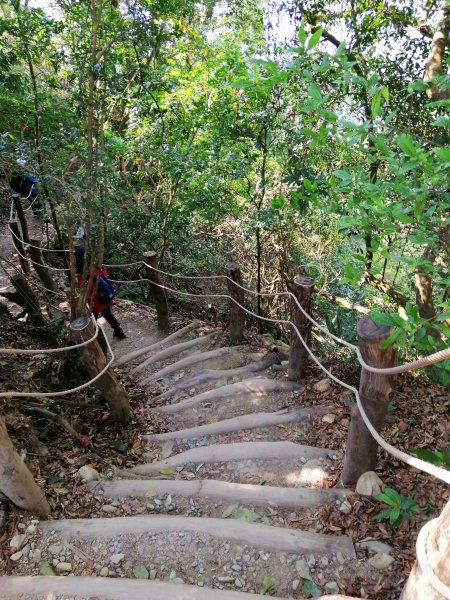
x=310, y=589
x=443, y=154
x=245, y=514
x=61, y=491
x=53, y=479
x=45, y=569
x=443, y=316
x=120, y=446
x=302, y=33
x=265, y=586
x=406, y=144
x=165, y=471
x=315, y=38
x=394, y=516
x=376, y=105
x=140, y=572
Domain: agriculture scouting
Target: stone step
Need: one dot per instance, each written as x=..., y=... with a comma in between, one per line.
x=211, y=489
x=264, y=537
x=270, y=451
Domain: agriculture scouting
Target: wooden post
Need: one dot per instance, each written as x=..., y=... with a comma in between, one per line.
x=37, y=261
x=302, y=288
x=17, y=241
x=418, y=585
x=94, y=360
x=237, y=315
x=17, y=482
x=21, y=215
x=159, y=294
x=27, y=298
x=374, y=390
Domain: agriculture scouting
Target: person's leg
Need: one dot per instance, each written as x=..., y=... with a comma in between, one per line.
x=113, y=322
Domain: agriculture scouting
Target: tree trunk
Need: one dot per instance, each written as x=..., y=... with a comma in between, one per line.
x=21, y=216
x=374, y=390
x=437, y=50
x=16, y=481
x=18, y=244
x=237, y=315
x=27, y=299
x=418, y=585
x=302, y=288
x=424, y=287
x=37, y=261
x=94, y=360
x=159, y=294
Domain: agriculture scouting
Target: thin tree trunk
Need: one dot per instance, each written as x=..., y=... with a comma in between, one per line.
x=437, y=50
x=16, y=481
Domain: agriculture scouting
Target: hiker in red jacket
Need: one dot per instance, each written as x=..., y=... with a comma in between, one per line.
x=104, y=298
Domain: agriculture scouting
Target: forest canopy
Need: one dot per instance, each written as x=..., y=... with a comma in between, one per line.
x=286, y=134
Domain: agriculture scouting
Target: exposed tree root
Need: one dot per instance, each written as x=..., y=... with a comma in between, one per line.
x=104, y=588
x=220, y=490
x=235, y=451
x=271, y=539
x=251, y=421
x=256, y=388
x=156, y=346
x=191, y=360
x=215, y=374
x=172, y=350
x=61, y=421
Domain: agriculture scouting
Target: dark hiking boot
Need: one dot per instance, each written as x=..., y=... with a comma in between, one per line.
x=119, y=333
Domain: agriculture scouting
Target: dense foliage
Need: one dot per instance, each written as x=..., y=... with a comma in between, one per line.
x=181, y=126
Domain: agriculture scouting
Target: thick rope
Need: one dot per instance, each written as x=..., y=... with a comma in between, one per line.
x=423, y=552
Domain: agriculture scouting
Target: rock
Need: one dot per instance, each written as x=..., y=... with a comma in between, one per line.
x=224, y=579
x=37, y=556
x=282, y=350
x=375, y=546
x=31, y=528
x=152, y=574
x=381, y=561
x=88, y=473
x=312, y=473
x=104, y=572
x=55, y=549
x=329, y=418
x=238, y=583
x=267, y=340
x=109, y=509
x=16, y=556
x=301, y=566
x=295, y=585
x=177, y=580
x=115, y=559
x=18, y=541
x=64, y=567
x=369, y=484
x=322, y=386
x=324, y=561
x=340, y=558
x=26, y=550
x=332, y=587
x=345, y=507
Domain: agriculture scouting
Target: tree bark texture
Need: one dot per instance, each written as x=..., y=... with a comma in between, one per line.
x=94, y=359
x=159, y=294
x=418, y=585
x=37, y=261
x=16, y=481
x=437, y=50
x=17, y=241
x=424, y=287
x=21, y=216
x=27, y=298
x=374, y=390
x=302, y=288
x=237, y=315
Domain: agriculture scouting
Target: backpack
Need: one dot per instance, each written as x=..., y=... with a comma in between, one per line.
x=105, y=291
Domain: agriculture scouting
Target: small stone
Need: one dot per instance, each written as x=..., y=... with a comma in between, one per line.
x=324, y=561
x=21, y=526
x=238, y=583
x=152, y=574
x=236, y=567
x=26, y=550
x=302, y=568
x=225, y=579
x=311, y=560
x=295, y=585
x=340, y=558
x=381, y=561
x=104, y=572
x=332, y=587
x=55, y=549
x=329, y=418
x=108, y=508
x=115, y=559
x=375, y=546
x=18, y=541
x=31, y=528
x=369, y=484
x=37, y=556
x=200, y=583
x=63, y=567
x=177, y=580
x=322, y=386
x=88, y=473
x=345, y=507
x=16, y=556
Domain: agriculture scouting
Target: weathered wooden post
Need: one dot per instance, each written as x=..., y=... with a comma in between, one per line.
x=435, y=545
x=159, y=294
x=21, y=215
x=17, y=482
x=27, y=298
x=237, y=314
x=37, y=261
x=374, y=390
x=17, y=241
x=94, y=360
x=302, y=288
